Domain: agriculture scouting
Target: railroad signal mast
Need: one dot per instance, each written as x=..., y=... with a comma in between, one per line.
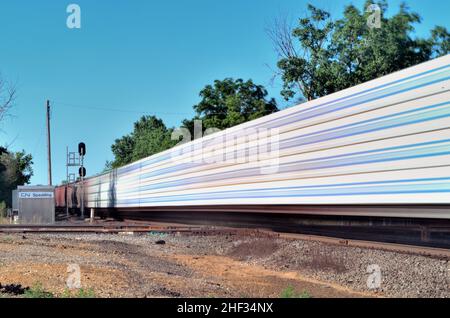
x=82, y=173
x=74, y=159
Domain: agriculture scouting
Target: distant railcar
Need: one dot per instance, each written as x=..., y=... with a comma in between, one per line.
x=67, y=195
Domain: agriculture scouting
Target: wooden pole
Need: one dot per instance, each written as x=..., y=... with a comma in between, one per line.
x=49, y=150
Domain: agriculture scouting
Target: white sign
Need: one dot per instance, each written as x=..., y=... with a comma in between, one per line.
x=35, y=195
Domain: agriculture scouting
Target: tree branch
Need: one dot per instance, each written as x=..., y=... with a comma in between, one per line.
x=7, y=97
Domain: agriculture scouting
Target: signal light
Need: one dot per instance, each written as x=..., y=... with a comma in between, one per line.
x=82, y=149
x=82, y=172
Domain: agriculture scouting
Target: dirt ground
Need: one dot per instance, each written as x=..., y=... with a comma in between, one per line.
x=115, y=265
x=118, y=266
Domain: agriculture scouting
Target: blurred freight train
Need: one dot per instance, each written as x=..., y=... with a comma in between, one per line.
x=381, y=148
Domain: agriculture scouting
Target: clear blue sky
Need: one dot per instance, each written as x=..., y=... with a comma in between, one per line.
x=135, y=55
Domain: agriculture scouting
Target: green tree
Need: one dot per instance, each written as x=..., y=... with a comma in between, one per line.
x=304, y=66
x=231, y=102
x=225, y=104
x=15, y=169
x=321, y=56
x=440, y=41
x=123, y=151
x=150, y=136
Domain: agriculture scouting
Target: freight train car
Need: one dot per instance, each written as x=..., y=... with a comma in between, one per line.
x=68, y=195
x=384, y=143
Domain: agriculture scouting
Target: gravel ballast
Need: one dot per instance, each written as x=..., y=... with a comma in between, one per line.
x=143, y=266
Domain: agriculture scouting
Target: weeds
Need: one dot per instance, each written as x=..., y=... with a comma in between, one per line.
x=290, y=292
x=79, y=293
x=37, y=291
x=6, y=239
x=3, y=212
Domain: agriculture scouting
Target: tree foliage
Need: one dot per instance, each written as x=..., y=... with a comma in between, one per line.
x=321, y=56
x=150, y=136
x=316, y=58
x=230, y=102
x=225, y=104
x=15, y=169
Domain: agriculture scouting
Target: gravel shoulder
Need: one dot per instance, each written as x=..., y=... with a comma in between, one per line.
x=220, y=265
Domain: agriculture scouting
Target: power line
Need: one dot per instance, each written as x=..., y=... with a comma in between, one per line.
x=121, y=110
x=39, y=140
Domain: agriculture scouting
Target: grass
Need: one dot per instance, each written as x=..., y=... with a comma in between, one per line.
x=37, y=291
x=6, y=239
x=290, y=292
x=3, y=220
x=79, y=293
x=3, y=213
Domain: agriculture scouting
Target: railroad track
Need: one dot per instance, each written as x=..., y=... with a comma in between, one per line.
x=183, y=229
x=406, y=231
x=86, y=228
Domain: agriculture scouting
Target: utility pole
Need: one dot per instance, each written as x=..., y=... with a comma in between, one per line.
x=49, y=150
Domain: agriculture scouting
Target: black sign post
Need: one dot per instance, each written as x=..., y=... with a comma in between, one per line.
x=82, y=173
